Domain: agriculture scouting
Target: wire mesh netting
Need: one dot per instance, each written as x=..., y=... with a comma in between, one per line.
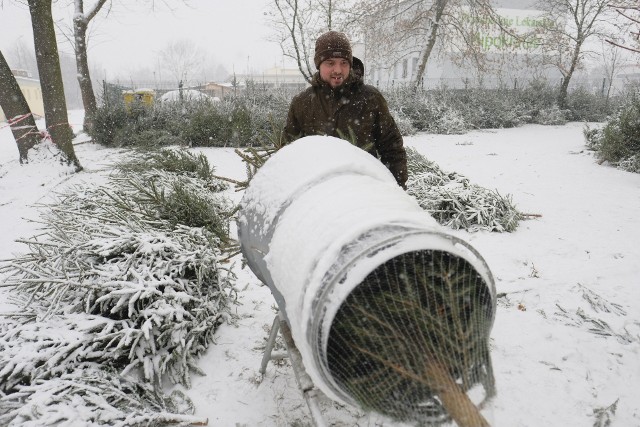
x=412, y=340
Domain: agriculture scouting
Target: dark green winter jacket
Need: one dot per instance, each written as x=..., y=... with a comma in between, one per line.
x=353, y=111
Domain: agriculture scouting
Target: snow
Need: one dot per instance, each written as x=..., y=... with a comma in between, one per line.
x=562, y=277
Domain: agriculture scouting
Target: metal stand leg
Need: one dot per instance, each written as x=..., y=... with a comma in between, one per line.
x=309, y=392
x=266, y=357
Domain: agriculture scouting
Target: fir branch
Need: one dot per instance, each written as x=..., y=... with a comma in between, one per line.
x=596, y=326
x=168, y=288
x=177, y=161
x=600, y=304
x=89, y=395
x=605, y=415
x=253, y=158
x=120, y=278
x=454, y=202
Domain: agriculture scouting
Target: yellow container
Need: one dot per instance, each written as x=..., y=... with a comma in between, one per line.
x=144, y=96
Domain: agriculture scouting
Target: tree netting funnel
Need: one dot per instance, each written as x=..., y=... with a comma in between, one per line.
x=389, y=312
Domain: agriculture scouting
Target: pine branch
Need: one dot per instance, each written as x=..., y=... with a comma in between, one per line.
x=600, y=304
x=133, y=288
x=596, y=326
x=110, y=399
x=605, y=415
x=454, y=202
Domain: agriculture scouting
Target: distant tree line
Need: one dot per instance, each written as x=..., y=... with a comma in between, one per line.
x=560, y=33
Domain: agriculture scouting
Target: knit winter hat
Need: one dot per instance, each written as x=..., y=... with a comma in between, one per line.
x=332, y=44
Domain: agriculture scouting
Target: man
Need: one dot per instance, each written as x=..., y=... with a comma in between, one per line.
x=339, y=104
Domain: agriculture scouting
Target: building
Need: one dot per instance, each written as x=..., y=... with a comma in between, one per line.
x=220, y=90
x=507, y=59
x=276, y=78
x=32, y=92
x=271, y=78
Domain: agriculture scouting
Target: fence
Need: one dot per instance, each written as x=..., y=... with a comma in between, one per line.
x=597, y=86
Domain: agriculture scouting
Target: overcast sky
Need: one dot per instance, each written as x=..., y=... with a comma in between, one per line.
x=232, y=32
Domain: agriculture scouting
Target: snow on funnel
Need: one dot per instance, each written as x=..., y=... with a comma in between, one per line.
x=390, y=313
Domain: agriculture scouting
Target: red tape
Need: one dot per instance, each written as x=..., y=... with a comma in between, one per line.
x=44, y=134
x=16, y=119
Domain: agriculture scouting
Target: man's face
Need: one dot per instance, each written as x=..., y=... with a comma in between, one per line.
x=334, y=71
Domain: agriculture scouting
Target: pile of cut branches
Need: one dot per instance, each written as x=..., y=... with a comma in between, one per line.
x=454, y=202
x=449, y=197
x=126, y=285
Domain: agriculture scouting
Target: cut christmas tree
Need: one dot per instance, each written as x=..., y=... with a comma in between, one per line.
x=412, y=339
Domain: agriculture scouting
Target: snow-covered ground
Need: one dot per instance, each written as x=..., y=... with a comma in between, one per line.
x=566, y=339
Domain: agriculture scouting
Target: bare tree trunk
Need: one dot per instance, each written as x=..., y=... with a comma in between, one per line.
x=299, y=22
x=587, y=18
x=80, y=24
x=55, y=105
x=440, y=5
x=566, y=78
x=15, y=106
x=457, y=403
x=297, y=41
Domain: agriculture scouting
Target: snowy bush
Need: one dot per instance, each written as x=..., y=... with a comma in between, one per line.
x=152, y=138
x=538, y=95
x=269, y=110
x=491, y=108
x=404, y=123
x=618, y=142
x=593, y=137
x=427, y=111
x=539, y=100
x=107, y=122
x=549, y=116
x=239, y=130
x=250, y=117
x=585, y=105
x=204, y=126
x=453, y=111
x=630, y=164
x=234, y=121
x=411, y=106
x=117, y=125
x=436, y=112
x=456, y=111
x=237, y=121
x=451, y=122
x=454, y=202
